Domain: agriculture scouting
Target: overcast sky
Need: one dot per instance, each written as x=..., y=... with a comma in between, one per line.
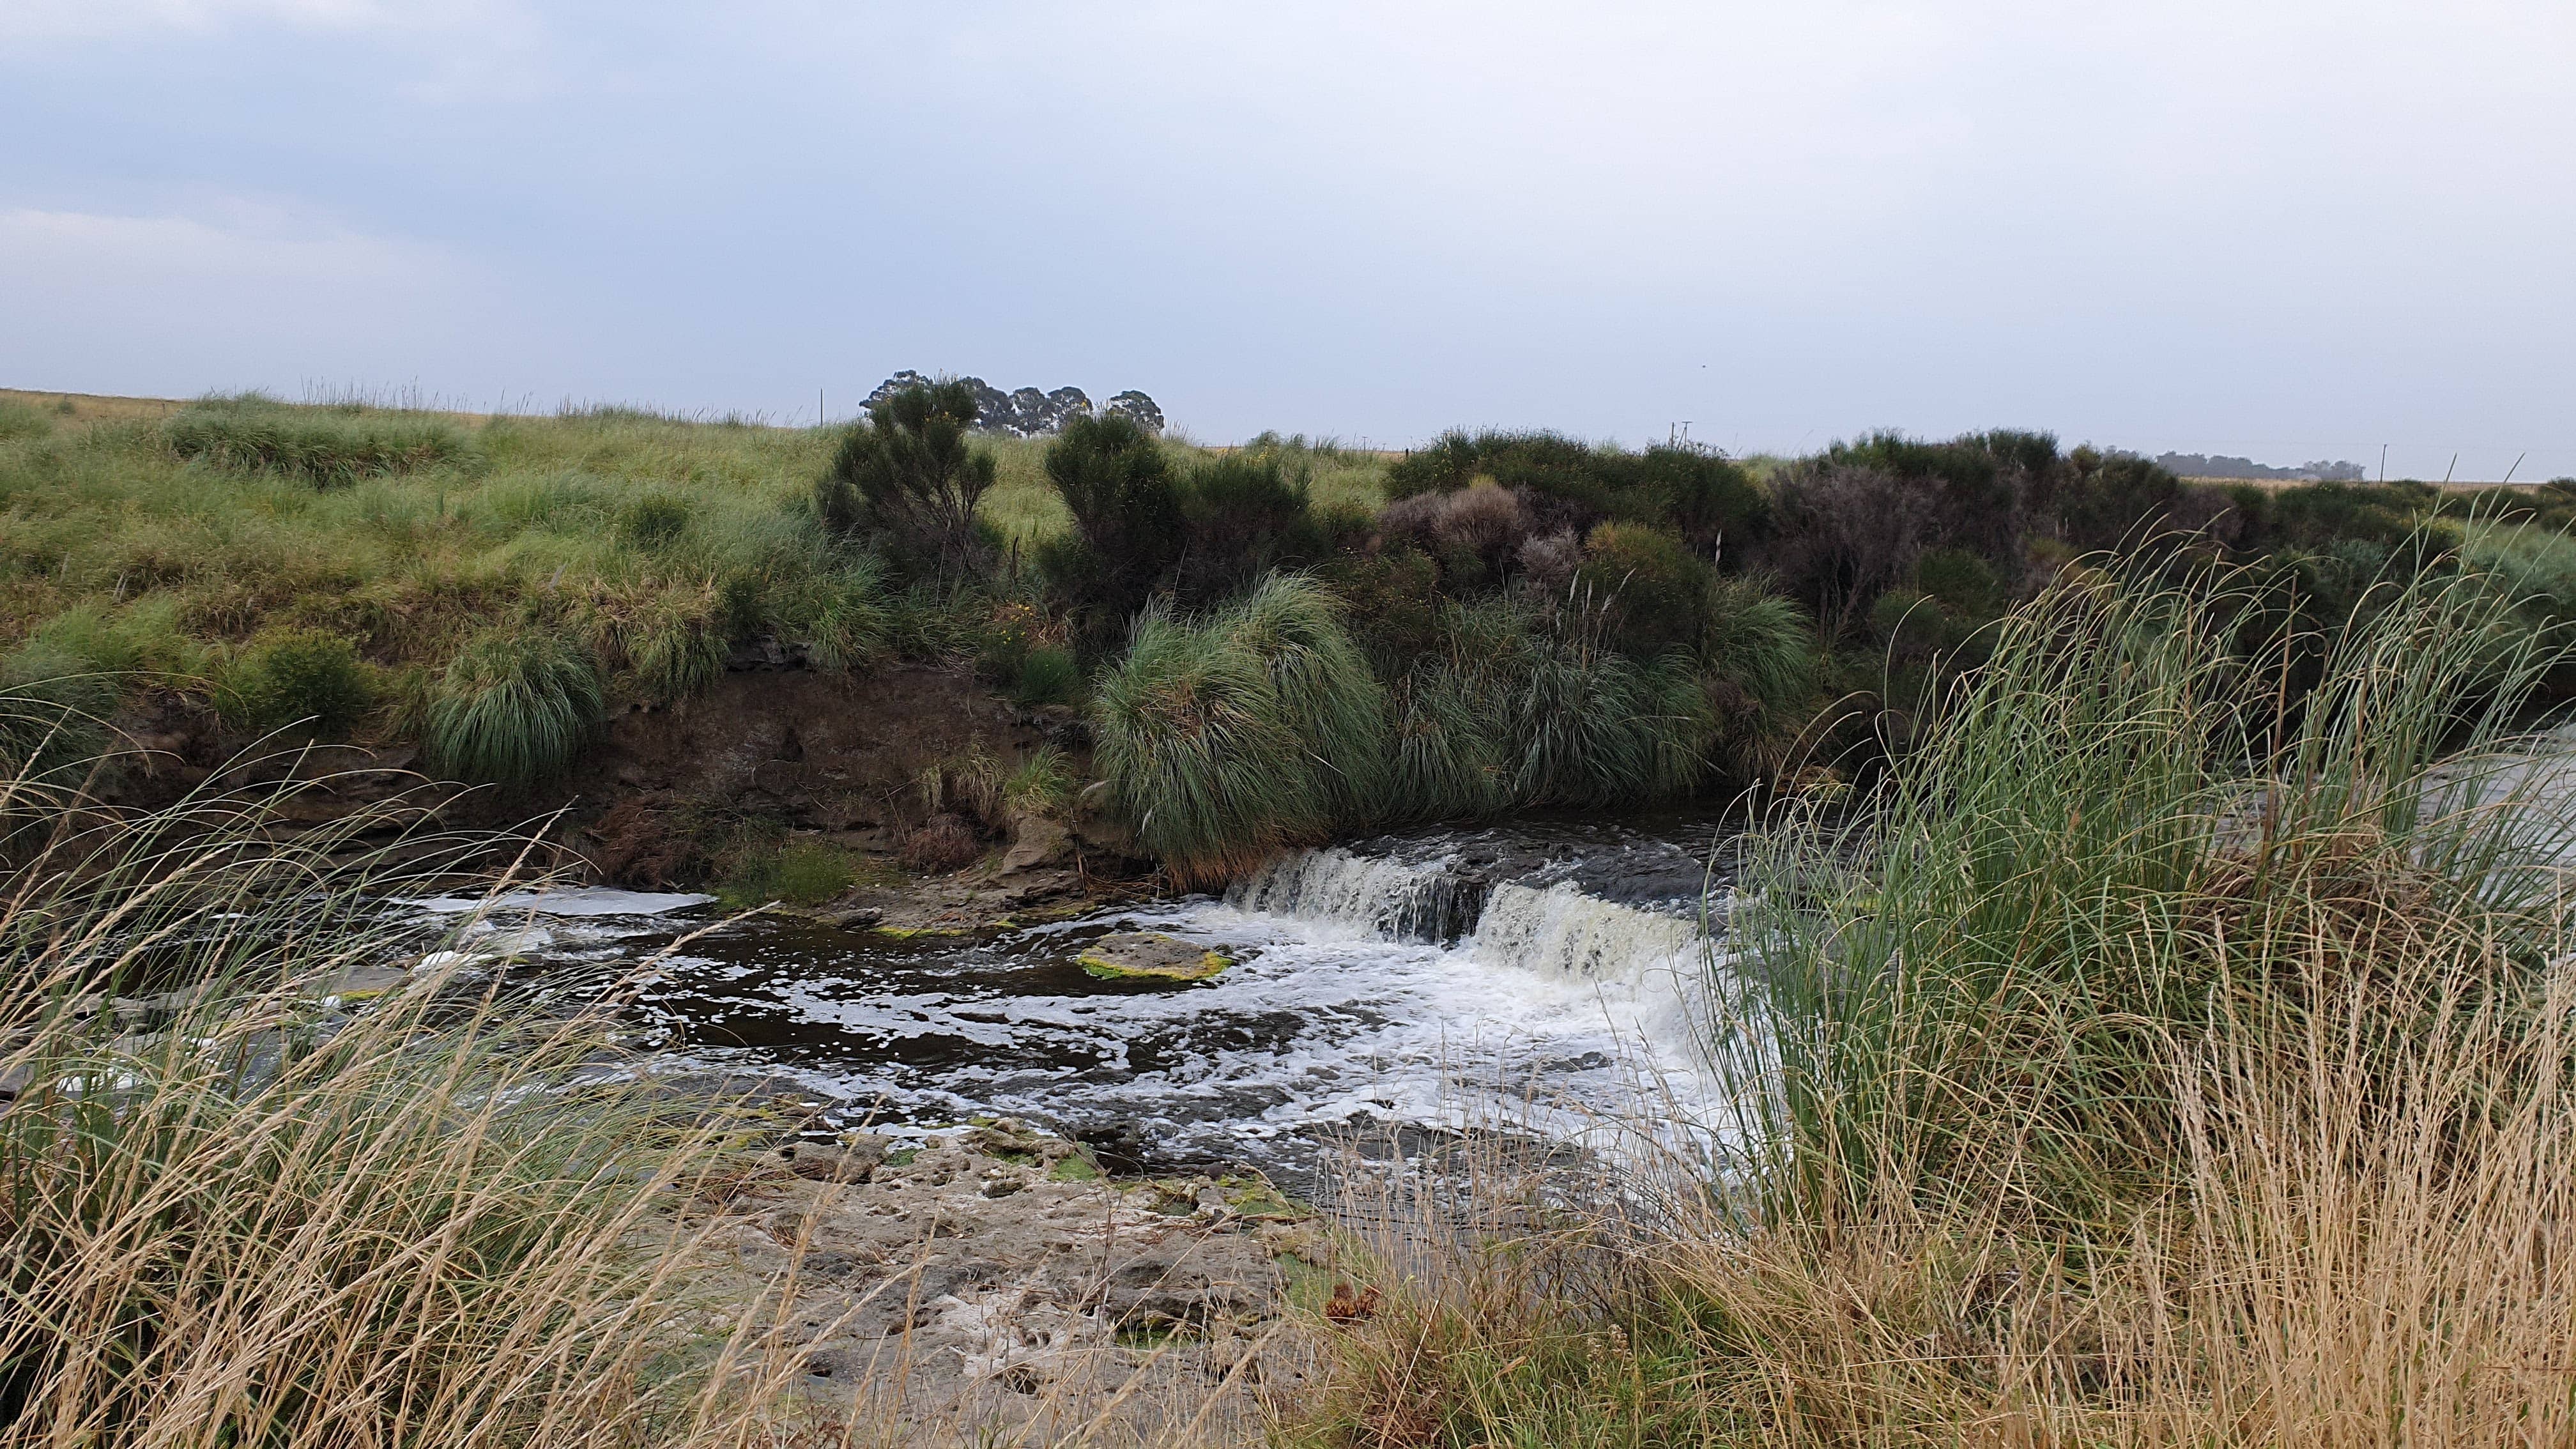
x=2270, y=227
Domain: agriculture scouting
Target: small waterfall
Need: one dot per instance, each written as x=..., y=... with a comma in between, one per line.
x=1560, y=931
x=1555, y=930
x=1385, y=898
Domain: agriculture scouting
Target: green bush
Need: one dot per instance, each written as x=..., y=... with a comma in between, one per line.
x=1702, y=495
x=1117, y=484
x=1047, y=676
x=1648, y=584
x=675, y=645
x=910, y=479
x=517, y=706
x=322, y=448
x=304, y=678
x=1245, y=515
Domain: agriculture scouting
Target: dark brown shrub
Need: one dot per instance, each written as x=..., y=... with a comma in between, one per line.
x=940, y=844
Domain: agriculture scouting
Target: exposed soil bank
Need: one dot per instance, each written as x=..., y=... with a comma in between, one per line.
x=789, y=753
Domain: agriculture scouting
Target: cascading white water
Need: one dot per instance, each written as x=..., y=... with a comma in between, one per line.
x=1560, y=931
x=1376, y=896
x=1557, y=930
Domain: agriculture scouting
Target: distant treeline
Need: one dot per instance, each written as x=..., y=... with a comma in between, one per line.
x=2201, y=465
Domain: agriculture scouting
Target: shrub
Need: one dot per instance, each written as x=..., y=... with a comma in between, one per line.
x=1652, y=590
x=515, y=707
x=1564, y=483
x=1245, y=515
x=1963, y=582
x=1390, y=603
x=308, y=678
x=798, y=872
x=2108, y=500
x=945, y=842
x=1116, y=482
x=325, y=449
x=1842, y=535
x=1047, y=676
x=909, y=478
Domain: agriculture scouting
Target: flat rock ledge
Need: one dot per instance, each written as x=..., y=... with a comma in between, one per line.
x=1151, y=956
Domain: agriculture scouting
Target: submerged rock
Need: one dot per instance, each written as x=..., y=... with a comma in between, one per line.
x=1151, y=956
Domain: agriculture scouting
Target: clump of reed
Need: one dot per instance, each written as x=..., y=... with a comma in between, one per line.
x=1517, y=710
x=326, y=448
x=2142, y=1060
x=1224, y=737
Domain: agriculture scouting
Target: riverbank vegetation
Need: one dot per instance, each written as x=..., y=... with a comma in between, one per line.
x=2171, y=1047
x=1493, y=622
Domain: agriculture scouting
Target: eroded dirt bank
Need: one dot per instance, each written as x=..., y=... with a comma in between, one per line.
x=866, y=765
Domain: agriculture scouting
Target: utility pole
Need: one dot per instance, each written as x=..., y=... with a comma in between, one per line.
x=2383, y=462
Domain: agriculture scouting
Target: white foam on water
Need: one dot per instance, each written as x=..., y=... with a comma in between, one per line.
x=587, y=901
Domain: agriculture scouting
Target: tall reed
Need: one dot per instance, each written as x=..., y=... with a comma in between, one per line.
x=258, y=1188
x=2153, y=1057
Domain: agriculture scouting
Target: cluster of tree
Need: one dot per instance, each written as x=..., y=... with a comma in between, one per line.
x=2203, y=465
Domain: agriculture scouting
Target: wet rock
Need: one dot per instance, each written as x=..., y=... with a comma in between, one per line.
x=1151, y=956
x=1037, y=842
x=853, y=1159
x=857, y=918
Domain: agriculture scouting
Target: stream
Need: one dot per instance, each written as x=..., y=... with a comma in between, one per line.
x=1543, y=972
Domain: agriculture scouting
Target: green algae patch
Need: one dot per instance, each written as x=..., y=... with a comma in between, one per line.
x=1150, y=956
x=906, y=933
x=1076, y=1168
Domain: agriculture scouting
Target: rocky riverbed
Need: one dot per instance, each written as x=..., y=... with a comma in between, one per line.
x=990, y=1285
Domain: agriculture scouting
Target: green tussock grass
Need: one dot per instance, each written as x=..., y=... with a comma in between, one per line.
x=1222, y=738
x=517, y=705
